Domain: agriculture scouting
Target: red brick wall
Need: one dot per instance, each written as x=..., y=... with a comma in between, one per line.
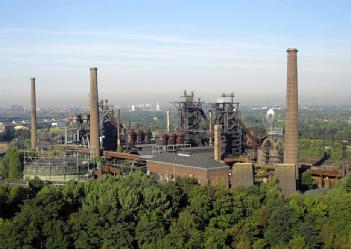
x=204, y=176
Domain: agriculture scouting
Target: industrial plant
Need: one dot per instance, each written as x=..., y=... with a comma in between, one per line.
x=210, y=144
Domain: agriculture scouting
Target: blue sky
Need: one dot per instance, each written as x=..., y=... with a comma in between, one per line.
x=150, y=50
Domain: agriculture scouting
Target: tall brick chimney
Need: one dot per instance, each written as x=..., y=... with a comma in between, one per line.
x=291, y=149
x=119, y=149
x=94, y=116
x=33, y=116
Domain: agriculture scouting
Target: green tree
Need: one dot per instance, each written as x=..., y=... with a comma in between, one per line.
x=136, y=211
x=298, y=242
x=40, y=224
x=280, y=224
x=8, y=134
x=185, y=232
x=307, y=180
x=4, y=171
x=15, y=166
x=12, y=163
x=150, y=228
x=215, y=239
x=88, y=229
x=36, y=185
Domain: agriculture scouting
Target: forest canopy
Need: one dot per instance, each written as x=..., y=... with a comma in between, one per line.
x=136, y=211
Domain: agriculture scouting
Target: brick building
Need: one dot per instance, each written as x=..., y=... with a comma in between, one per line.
x=198, y=164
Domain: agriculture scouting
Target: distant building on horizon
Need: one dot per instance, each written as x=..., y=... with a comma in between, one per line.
x=158, y=108
x=145, y=107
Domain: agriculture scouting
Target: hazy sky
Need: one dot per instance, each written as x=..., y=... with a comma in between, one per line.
x=151, y=50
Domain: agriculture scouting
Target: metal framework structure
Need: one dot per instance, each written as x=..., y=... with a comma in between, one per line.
x=190, y=116
x=226, y=114
x=124, y=167
x=57, y=166
x=118, y=163
x=78, y=133
x=108, y=126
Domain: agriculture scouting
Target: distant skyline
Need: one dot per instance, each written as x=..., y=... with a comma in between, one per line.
x=151, y=50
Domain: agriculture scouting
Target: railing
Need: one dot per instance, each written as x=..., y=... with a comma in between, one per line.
x=157, y=149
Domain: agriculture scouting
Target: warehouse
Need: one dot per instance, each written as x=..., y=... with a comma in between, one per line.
x=195, y=163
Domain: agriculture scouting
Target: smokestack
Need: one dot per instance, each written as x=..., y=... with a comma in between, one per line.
x=168, y=121
x=94, y=116
x=34, y=116
x=291, y=148
x=217, y=142
x=119, y=149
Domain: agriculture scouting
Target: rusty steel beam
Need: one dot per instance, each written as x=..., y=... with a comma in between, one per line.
x=109, y=169
x=326, y=172
x=77, y=149
x=113, y=154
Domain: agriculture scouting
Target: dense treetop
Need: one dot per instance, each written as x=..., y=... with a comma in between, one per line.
x=136, y=211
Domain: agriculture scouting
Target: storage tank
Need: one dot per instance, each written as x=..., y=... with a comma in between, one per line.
x=147, y=135
x=139, y=136
x=180, y=138
x=171, y=138
x=162, y=138
x=131, y=137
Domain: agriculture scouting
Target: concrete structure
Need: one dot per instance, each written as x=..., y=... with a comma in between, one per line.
x=94, y=116
x=242, y=175
x=286, y=178
x=291, y=121
x=33, y=116
x=217, y=143
x=195, y=164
